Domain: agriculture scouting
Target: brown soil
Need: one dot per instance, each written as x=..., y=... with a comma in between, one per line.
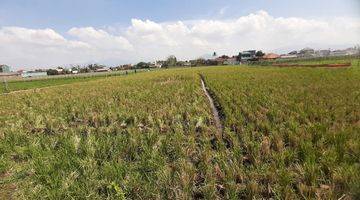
x=214, y=109
x=6, y=189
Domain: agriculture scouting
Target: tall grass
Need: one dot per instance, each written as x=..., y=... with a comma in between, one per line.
x=296, y=130
x=289, y=133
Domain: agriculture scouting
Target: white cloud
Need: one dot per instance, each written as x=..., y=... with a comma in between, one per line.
x=148, y=40
x=100, y=39
x=42, y=47
x=42, y=37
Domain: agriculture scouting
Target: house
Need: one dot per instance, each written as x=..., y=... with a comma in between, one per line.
x=126, y=67
x=59, y=70
x=220, y=60
x=159, y=63
x=287, y=56
x=232, y=61
x=338, y=53
x=306, y=52
x=322, y=53
x=270, y=56
x=29, y=74
x=352, y=51
x=5, y=69
x=102, y=69
x=187, y=64
x=249, y=55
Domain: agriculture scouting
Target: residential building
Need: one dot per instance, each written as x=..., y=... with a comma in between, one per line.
x=306, y=52
x=352, y=51
x=270, y=56
x=231, y=61
x=248, y=55
x=159, y=63
x=187, y=64
x=322, y=53
x=5, y=69
x=287, y=56
x=29, y=74
x=59, y=70
x=128, y=66
x=339, y=53
x=221, y=60
x=102, y=70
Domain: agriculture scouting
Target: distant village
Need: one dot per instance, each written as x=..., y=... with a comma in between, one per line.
x=243, y=57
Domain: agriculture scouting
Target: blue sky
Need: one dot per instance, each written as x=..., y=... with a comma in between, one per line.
x=64, y=14
x=47, y=33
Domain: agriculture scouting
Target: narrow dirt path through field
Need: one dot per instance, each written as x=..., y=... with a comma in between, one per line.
x=215, y=111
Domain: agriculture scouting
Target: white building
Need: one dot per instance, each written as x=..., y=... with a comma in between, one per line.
x=288, y=56
x=29, y=74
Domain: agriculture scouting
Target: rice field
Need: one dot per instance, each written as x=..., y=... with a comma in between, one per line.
x=287, y=134
x=16, y=83
x=353, y=60
x=294, y=133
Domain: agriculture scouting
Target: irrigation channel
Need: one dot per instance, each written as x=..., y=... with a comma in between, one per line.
x=215, y=109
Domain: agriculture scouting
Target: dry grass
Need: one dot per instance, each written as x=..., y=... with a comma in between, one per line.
x=289, y=134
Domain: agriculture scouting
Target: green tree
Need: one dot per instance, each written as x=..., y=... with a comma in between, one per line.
x=259, y=54
x=171, y=61
x=51, y=72
x=238, y=58
x=200, y=62
x=142, y=65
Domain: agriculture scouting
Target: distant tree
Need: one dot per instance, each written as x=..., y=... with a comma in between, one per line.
x=357, y=48
x=142, y=65
x=211, y=62
x=259, y=54
x=84, y=70
x=214, y=54
x=193, y=63
x=67, y=71
x=75, y=68
x=238, y=58
x=224, y=57
x=200, y=61
x=52, y=72
x=180, y=63
x=171, y=61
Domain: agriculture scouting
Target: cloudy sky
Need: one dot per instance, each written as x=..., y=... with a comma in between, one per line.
x=47, y=33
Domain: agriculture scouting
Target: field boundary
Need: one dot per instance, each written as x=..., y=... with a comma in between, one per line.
x=34, y=89
x=216, y=108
